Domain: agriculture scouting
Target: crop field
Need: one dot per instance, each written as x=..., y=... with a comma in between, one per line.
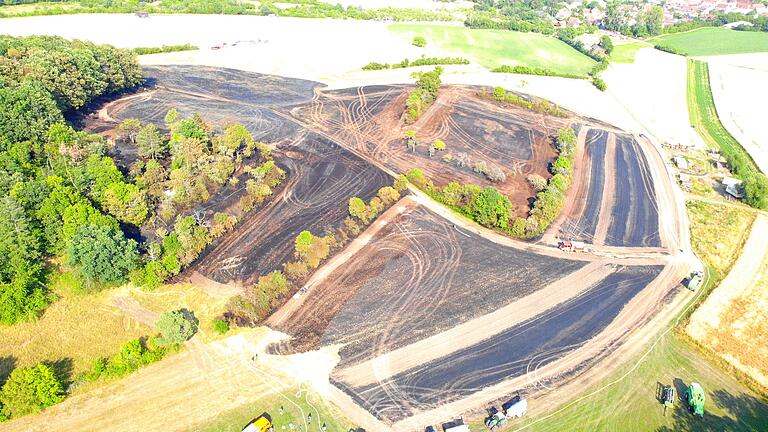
x=715, y=41
x=436, y=276
x=615, y=204
x=517, y=141
x=520, y=350
x=493, y=48
x=625, y=53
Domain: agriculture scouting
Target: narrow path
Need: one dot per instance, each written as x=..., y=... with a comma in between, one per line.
x=135, y=310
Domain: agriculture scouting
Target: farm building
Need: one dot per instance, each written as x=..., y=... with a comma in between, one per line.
x=733, y=187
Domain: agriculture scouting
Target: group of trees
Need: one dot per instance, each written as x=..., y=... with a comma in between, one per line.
x=648, y=22
x=489, y=207
x=422, y=61
x=310, y=250
x=59, y=190
x=537, y=105
x=719, y=19
x=424, y=95
x=29, y=390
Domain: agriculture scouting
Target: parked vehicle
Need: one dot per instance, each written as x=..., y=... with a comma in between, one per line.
x=259, y=424
x=572, y=246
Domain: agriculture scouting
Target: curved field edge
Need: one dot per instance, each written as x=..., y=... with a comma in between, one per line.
x=500, y=47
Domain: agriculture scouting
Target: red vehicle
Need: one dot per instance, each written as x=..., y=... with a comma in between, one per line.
x=572, y=246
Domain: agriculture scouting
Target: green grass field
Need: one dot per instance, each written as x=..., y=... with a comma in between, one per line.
x=714, y=41
x=625, y=53
x=493, y=48
x=632, y=404
x=296, y=407
x=703, y=113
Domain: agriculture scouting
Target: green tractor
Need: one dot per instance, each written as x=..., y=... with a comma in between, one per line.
x=694, y=395
x=498, y=419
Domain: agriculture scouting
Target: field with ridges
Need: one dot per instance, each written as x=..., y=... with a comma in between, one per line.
x=493, y=48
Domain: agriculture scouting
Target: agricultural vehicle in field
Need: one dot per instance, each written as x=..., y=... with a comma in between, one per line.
x=694, y=395
x=668, y=397
x=572, y=246
x=515, y=407
x=260, y=424
x=695, y=280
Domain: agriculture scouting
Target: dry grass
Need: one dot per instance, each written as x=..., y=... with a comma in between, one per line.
x=177, y=296
x=718, y=232
x=73, y=331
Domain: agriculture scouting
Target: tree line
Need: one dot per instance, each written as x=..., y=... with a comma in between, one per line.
x=422, y=61
x=424, y=95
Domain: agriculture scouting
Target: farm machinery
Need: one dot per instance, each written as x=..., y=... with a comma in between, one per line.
x=261, y=423
x=572, y=246
x=694, y=395
x=515, y=407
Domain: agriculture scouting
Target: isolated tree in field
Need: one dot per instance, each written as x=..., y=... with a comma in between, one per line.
x=102, y=253
x=496, y=174
x=410, y=140
x=151, y=143
x=437, y=145
x=31, y=389
x=176, y=327
x=419, y=41
x=129, y=129
x=462, y=159
x=358, y=209
x=537, y=182
x=480, y=167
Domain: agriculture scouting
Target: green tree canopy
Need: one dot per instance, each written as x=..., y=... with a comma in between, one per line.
x=176, y=327
x=102, y=253
x=491, y=208
x=29, y=390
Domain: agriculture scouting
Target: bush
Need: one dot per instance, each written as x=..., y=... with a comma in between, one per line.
x=164, y=49
x=220, y=326
x=599, y=83
x=669, y=49
x=541, y=106
x=419, y=41
x=176, y=327
x=29, y=390
x=756, y=191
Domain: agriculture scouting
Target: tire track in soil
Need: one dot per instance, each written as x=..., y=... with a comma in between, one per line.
x=609, y=192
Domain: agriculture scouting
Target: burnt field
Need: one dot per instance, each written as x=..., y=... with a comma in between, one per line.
x=517, y=351
x=321, y=176
x=615, y=201
x=517, y=141
x=418, y=276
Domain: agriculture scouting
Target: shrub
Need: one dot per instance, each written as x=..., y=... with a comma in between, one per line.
x=419, y=41
x=220, y=326
x=599, y=83
x=31, y=389
x=176, y=327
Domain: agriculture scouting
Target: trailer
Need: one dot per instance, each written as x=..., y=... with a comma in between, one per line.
x=695, y=280
x=515, y=409
x=572, y=246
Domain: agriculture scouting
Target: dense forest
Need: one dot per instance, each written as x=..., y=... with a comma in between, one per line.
x=46, y=168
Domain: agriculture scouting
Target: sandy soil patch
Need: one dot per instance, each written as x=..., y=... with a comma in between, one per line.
x=732, y=321
x=740, y=94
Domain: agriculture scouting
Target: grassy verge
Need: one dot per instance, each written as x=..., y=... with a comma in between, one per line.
x=714, y=41
x=296, y=403
x=632, y=404
x=493, y=48
x=716, y=245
